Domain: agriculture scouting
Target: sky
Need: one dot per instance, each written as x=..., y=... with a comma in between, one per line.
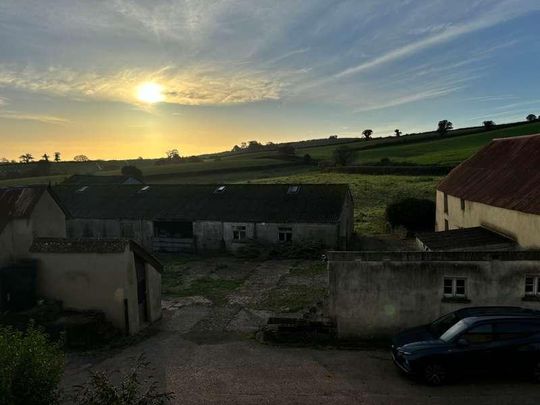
x=118, y=79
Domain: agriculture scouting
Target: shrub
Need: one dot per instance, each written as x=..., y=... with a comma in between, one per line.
x=413, y=214
x=132, y=171
x=343, y=155
x=30, y=368
x=100, y=390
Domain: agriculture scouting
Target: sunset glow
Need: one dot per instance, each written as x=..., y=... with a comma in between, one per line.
x=150, y=93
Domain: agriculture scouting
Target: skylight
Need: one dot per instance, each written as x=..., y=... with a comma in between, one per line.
x=220, y=189
x=82, y=189
x=293, y=189
x=145, y=188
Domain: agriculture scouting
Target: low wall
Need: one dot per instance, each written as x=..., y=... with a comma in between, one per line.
x=375, y=294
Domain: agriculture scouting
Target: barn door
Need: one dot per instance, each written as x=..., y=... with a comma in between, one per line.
x=141, y=289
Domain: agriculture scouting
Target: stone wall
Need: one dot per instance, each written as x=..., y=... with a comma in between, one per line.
x=376, y=294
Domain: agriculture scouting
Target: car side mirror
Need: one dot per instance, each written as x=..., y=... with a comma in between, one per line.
x=462, y=342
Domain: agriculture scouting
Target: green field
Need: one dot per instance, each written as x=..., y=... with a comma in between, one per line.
x=450, y=150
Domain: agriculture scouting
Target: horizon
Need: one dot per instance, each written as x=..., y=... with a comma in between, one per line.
x=121, y=79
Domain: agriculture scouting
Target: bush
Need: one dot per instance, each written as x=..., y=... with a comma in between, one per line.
x=415, y=215
x=100, y=390
x=132, y=171
x=30, y=368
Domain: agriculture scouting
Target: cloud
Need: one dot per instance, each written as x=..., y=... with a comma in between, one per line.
x=196, y=86
x=45, y=119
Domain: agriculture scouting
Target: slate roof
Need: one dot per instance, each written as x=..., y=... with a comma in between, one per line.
x=237, y=202
x=101, y=246
x=18, y=202
x=88, y=179
x=466, y=239
x=505, y=174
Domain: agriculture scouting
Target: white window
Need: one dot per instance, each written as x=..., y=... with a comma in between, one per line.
x=239, y=232
x=532, y=285
x=455, y=287
x=285, y=234
x=293, y=189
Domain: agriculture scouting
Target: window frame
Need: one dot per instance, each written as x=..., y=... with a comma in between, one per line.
x=462, y=202
x=287, y=232
x=445, y=203
x=454, y=287
x=535, y=285
x=239, y=232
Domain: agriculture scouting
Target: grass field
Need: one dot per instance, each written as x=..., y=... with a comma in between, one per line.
x=371, y=193
x=450, y=150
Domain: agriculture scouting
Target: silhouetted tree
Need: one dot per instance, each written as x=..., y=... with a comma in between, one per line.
x=4, y=160
x=45, y=157
x=489, y=125
x=26, y=158
x=444, y=126
x=343, y=155
x=173, y=155
x=132, y=171
x=307, y=159
x=57, y=157
x=81, y=158
x=367, y=134
x=333, y=137
x=236, y=148
x=531, y=117
x=397, y=132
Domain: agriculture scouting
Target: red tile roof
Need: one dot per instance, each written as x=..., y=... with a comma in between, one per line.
x=18, y=202
x=505, y=174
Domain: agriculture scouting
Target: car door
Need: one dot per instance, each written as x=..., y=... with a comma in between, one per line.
x=473, y=351
x=512, y=347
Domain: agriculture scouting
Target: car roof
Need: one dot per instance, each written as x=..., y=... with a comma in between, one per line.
x=501, y=309
x=476, y=319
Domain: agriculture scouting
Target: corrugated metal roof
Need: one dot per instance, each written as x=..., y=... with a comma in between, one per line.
x=505, y=174
x=237, y=202
x=18, y=202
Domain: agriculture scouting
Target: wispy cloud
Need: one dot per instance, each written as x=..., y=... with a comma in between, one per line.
x=201, y=86
x=44, y=119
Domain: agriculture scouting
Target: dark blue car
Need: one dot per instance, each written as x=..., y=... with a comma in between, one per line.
x=493, y=339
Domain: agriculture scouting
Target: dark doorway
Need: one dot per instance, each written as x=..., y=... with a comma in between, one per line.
x=173, y=236
x=141, y=289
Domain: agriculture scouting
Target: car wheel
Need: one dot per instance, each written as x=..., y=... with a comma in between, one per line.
x=536, y=372
x=435, y=374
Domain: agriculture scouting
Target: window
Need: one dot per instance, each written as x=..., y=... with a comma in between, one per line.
x=82, y=189
x=455, y=287
x=293, y=190
x=479, y=334
x=220, y=189
x=446, y=226
x=462, y=204
x=145, y=188
x=239, y=232
x=516, y=329
x=532, y=285
x=445, y=203
x=285, y=234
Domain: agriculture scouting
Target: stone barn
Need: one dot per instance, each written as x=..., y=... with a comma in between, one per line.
x=201, y=218
x=26, y=213
x=498, y=189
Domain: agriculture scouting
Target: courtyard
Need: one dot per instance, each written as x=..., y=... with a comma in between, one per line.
x=204, y=348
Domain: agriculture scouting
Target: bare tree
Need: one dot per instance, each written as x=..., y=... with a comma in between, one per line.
x=45, y=157
x=57, y=157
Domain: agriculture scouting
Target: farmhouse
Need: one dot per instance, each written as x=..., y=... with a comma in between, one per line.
x=116, y=276
x=177, y=218
x=498, y=189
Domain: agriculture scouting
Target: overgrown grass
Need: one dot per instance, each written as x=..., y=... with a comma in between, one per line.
x=308, y=269
x=371, y=193
x=215, y=290
x=291, y=298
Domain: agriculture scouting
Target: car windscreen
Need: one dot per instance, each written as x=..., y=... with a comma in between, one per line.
x=454, y=331
x=441, y=325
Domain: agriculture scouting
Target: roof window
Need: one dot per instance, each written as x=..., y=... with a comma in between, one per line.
x=293, y=190
x=220, y=189
x=145, y=188
x=82, y=189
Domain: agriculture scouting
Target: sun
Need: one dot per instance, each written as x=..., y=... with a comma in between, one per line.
x=150, y=93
